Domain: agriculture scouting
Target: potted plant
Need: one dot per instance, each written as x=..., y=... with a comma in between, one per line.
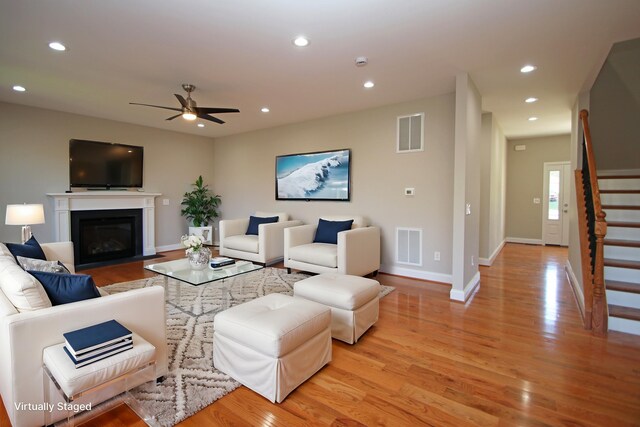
x=200, y=208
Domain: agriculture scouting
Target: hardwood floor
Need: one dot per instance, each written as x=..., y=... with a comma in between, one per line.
x=514, y=354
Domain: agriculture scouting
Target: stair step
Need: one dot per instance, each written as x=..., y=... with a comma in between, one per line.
x=625, y=224
x=621, y=263
x=621, y=207
x=619, y=191
x=619, y=177
x=616, y=285
x=620, y=242
x=624, y=312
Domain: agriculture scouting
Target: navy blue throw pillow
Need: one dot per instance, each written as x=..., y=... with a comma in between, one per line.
x=65, y=288
x=255, y=221
x=30, y=249
x=327, y=231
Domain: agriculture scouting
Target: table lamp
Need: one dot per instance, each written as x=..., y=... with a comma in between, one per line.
x=25, y=215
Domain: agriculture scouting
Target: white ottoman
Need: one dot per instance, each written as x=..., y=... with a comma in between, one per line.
x=353, y=301
x=272, y=344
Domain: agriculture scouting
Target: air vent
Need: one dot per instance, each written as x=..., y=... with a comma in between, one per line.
x=409, y=246
x=411, y=133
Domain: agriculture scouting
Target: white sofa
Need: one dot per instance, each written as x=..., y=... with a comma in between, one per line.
x=24, y=336
x=265, y=248
x=357, y=252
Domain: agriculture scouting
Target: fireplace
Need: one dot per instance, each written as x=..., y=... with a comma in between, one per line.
x=101, y=236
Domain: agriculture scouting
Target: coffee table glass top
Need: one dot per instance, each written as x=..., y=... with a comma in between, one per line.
x=180, y=269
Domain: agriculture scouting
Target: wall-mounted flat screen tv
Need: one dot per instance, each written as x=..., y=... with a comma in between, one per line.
x=96, y=164
x=324, y=175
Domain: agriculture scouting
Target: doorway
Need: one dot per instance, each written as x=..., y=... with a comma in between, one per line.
x=555, y=209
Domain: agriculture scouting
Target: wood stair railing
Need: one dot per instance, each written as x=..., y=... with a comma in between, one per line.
x=592, y=229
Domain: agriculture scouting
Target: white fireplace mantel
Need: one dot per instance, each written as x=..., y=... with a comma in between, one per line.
x=64, y=203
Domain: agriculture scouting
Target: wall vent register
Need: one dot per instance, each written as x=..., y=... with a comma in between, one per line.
x=410, y=133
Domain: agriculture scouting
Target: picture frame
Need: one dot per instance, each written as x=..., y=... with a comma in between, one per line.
x=319, y=175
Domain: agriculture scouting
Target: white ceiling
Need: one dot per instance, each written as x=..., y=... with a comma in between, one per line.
x=239, y=54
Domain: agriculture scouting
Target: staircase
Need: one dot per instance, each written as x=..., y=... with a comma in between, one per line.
x=620, y=195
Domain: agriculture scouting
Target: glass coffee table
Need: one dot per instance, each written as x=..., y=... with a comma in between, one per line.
x=181, y=270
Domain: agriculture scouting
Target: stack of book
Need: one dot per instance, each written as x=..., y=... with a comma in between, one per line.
x=88, y=345
x=221, y=261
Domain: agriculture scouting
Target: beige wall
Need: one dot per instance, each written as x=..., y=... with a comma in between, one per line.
x=466, y=227
x=493, y=163
x=615, y=109
x=244, y=173
x=34, y=152
x=525, y=182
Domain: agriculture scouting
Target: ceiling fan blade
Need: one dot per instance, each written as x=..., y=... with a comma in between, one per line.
x=173, y=117
x=183, y=101
x=156, y=106
x=212, y=110
x=210, y=118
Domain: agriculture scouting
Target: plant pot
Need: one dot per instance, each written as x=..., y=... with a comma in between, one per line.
x=199, y=260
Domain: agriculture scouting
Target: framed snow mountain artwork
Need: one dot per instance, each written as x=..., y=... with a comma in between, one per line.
x=323, y=175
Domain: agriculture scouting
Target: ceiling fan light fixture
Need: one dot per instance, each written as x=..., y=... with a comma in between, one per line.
x=19, y=88
x=188, y=115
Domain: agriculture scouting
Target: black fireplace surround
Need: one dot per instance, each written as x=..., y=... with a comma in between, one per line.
x=100, y=236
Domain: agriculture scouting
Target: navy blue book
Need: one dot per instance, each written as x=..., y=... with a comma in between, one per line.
x=99, y=356
x=93, y=337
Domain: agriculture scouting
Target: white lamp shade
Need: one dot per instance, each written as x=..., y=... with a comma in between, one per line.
x=25, y=214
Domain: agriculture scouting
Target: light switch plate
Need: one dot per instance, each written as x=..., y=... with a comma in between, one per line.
x=165, y=202
x=409, y=191
x=468, y=209
x=536, y=200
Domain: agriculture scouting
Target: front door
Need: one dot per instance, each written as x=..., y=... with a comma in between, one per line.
x=555, y=218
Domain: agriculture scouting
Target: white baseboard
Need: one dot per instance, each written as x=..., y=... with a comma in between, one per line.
x=463, y=295
x=488, y=261
x=575, y=285
x=524, y=241
x=166, y=248
x=416, y=274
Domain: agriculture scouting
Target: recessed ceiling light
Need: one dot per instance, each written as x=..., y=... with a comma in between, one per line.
x=57, y=46
x=301, y=41
x=200, y=125
x=265, y=109
x=530, y=100
x=533, y=119
x=369, y=84
x=19, y=88
x=528, y=68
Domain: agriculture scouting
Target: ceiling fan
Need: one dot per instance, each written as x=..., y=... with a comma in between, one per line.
x=190, y=110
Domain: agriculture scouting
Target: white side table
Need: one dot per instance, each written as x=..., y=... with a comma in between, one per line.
x=121, y=371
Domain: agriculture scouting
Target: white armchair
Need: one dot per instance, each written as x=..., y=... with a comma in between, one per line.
x=356, y=253
x=265, y=248
x=24, y=336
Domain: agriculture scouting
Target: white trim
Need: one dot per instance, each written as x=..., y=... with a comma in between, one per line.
x=458, y=295
x=605, y=172
x=166, y=248
x=417, y=274
x=624, y=325
x=523, y=241
x=489, y=261
x=577, y=289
